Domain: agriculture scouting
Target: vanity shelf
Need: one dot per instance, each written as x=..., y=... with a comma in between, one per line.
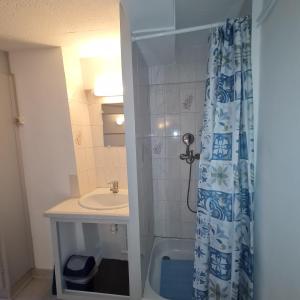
x=98, y=233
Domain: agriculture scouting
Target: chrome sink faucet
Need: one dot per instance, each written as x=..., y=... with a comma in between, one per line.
x=114, y=186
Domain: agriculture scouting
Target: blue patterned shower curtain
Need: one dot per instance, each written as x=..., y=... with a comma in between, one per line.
x=223, y=266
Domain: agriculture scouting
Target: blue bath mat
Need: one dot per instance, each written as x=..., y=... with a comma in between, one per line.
x=176, y=281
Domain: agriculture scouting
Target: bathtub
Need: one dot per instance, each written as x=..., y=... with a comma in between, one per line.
x=175, y=249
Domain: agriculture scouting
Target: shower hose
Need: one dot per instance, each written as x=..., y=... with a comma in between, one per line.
x=189, y=187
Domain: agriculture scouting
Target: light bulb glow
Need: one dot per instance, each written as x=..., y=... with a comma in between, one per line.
x=112, y=99
x=108, y=47
x=108, y=84
x=120, y=119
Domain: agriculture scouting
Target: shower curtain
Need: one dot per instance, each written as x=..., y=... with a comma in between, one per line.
x=223, y=267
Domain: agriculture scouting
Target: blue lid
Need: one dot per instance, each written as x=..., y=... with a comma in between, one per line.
x=79, y=266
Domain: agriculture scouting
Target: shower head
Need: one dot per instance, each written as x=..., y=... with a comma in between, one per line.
x=188, y=139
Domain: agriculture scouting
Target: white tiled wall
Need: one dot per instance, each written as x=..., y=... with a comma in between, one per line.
x=80, y=121
x=96, y=165
x=110, y=162
x=176, y=98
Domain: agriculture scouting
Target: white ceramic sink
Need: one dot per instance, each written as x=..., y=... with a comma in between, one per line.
x=105, y=200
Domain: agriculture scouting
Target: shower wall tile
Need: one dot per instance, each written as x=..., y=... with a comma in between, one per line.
x=159, y=192
x=167, y=190
x=172, y=145
x=169, y=210
x=188, y=230
x=171, y=168
x=188, y=97
x=165, y=214
x=157, y=104
x=158, y=125
x=158, y=169
x=185, y=169
x=188, y=123
x=171, y=99
x=172, y=125
x=167, y=228
x=158, y=147
x=186, y=215
x=173, y=189
x=177, y=73
x=191, y=72
x=193, y=191
x=176, y=99
x=200, y=94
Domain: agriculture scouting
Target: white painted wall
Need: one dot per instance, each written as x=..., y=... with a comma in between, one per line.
x=277, y=202
x=4, y=65
x=103, y=73
x=46, y=139
x=257, y=6
x=16, y=253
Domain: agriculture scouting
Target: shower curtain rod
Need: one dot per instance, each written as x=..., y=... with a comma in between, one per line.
x=178, y=31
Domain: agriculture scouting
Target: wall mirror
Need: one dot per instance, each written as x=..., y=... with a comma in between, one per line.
x=113, y=125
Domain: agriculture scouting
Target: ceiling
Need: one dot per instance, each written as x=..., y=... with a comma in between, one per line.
x=31, y=23
x=151, y=15
x=187, y=13
x=158, y=15
x=191, y=13
x=40, y=23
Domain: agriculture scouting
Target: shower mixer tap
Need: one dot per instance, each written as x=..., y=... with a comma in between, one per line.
x=189, y=156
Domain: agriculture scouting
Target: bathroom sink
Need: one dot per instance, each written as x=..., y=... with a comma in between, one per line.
x=104, y=201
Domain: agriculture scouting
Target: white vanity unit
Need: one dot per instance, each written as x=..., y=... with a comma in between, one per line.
x=94, y=225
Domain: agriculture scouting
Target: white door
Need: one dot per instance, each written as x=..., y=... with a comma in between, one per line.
x=14, y=227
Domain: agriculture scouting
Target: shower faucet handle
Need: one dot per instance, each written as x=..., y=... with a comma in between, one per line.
x=197, y=156
x=183, y=156
x=189, y=157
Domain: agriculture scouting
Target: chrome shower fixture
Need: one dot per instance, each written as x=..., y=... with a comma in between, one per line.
x=189, y=156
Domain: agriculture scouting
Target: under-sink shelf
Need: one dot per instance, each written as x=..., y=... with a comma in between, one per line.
x=111, y=278
x=107, y=243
